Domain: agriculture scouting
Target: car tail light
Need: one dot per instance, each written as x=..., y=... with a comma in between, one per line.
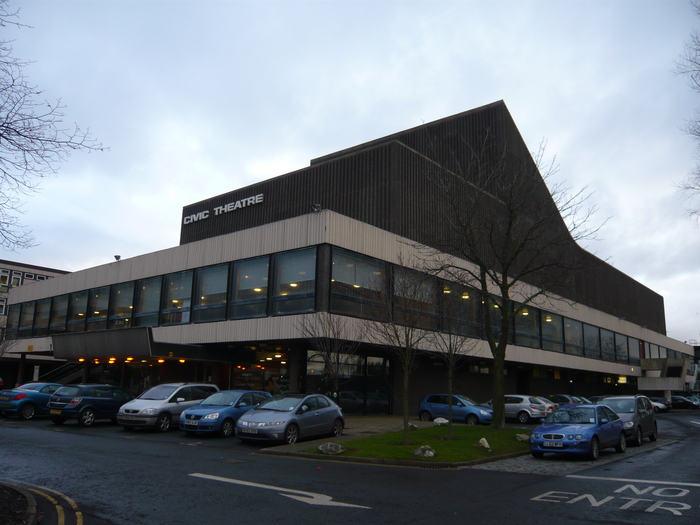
x=18, y=397
x=535, y=407
x=75, y=401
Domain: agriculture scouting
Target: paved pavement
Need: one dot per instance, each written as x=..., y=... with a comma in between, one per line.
x=358, y=426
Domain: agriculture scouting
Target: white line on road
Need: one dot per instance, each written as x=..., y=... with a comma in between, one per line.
x=674, y=483
x=307, y=497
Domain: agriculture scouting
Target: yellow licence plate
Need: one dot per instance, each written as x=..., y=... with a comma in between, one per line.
x=54, y=411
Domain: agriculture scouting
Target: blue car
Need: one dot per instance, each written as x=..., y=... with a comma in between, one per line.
x=463, y=409
x=28, y=400
x=579, y=429
x=218, y=413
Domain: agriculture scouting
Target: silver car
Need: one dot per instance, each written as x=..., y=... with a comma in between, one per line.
x=160, y=407
x=523, y=408
x=289, y=417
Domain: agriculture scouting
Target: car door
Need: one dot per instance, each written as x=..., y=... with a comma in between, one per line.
x=512, y=403
x=646, y=415
x=326, y=415
x=104, y=402
x=608, y=432
x=308, y=418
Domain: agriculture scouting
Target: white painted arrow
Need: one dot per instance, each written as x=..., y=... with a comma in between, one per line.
x=300, y=495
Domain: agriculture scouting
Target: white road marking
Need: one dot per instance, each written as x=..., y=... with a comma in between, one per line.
x=674, y=483
x=696, y=422
x=300, y=495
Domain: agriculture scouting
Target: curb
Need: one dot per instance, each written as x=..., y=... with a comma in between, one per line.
x=31, y=515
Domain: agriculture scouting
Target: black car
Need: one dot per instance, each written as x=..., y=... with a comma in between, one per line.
x=637, y=414
x=86, y=403
x=684, y=402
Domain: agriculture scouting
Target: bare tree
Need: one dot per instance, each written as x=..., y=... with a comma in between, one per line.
x=331, y=336
x=33, y=138
x=457, y=335
x=518, y=237
x=403, y=323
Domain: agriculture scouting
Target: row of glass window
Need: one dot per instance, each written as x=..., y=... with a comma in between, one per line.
x=360, y=286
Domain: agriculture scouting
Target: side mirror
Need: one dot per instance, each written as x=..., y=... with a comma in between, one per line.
x=604, y=421
x=241, y=405
x=304, y=409
x=179, y=399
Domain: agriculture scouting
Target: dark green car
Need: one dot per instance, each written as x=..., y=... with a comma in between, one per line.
x=86, y=403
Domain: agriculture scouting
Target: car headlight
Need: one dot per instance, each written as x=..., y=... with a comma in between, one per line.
x=273, y=423
x=243, y=423
x=149, y=411
x=578, y=437
x=534, y=436
x=121, y=410
x=483, y=412
x=213, y=415
x=628, y=424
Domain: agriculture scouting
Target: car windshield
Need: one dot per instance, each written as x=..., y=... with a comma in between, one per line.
x=68, y=391
x=578, y=415
x=281, y=403
x=466, y=400
x=222, y=398
x=30, y=386
x=621, y=406
x=159, y=392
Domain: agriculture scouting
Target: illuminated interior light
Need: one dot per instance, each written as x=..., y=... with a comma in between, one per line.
x=293, y=285
x=81, y=360
x=280, y=355
x=268, y=359
x=182, y=360
x=257, y=289
x=356, y=286
x=283, y=362
x=161, y=360
x=129, y=358
x=465, y=295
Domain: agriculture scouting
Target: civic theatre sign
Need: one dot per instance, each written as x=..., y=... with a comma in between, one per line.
x=226, y=208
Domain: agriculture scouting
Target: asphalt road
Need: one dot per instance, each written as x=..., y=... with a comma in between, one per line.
x=104, y=475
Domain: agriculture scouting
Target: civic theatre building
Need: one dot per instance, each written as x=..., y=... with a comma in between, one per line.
x=228, y=304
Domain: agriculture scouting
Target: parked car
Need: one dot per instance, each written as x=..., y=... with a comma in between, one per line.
x=637, y=415
x=663, y=401
x=658, y=407
x=522, y=408
x=684, y=402
x=219, y=412
x=86, y=403
x=28, y=400
x=290, y=417
x=463, y=409
x=595, y=399
x=579, y=429
x=548, y=403
x=565, y=399
x=160, y=407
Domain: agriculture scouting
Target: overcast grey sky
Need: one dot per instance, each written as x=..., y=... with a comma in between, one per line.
x=195, y=99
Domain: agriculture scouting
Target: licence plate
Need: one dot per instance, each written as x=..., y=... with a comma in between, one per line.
x=55, y=411
x=191, y=423
x=554, y=444
x=4, y=397
x=128, y=418
x=246, y=430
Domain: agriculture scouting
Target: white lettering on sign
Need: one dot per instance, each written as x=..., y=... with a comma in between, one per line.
x=226, y=208
x=674, y=507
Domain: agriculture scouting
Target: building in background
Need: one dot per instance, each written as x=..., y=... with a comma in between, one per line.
x=13, y=274
x=228, y=305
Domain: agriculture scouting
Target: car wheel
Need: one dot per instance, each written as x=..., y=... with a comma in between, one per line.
x=638, y=437
x=595, y=449
x=425, y=416
x=57, y=420
x=622, y=444
x=472, y=419
x=655, y=434
x=163, y=423
x=338, y=428
x=226, y=429
x=86, y=418
x=28, y=411
x=537, y=454
x=523, y=417
x=291, y=434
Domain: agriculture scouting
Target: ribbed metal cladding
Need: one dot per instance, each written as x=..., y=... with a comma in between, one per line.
x=383, y=183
